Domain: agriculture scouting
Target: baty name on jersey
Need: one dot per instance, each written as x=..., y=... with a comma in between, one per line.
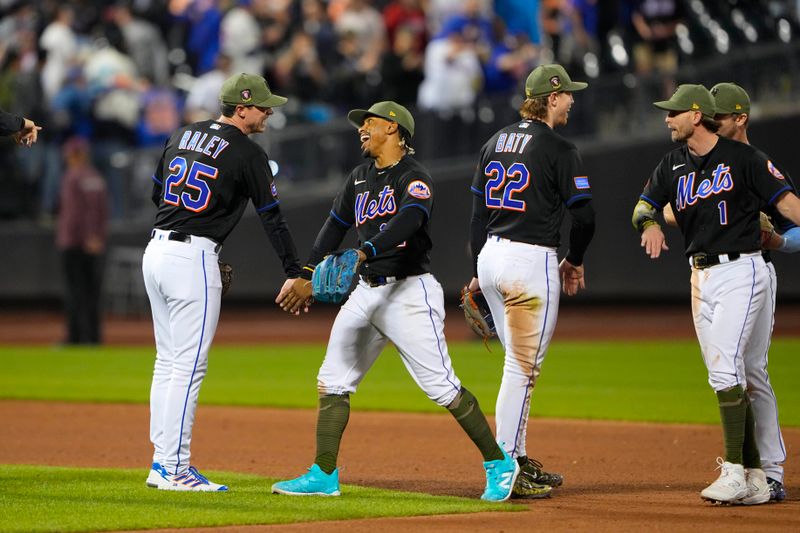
x=512, y=142
x=721, y=180
x=383, y=205
x=197, y=142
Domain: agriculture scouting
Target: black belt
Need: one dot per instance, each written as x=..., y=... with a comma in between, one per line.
x=377, y=281
x=766, y=255
x=702, y=260
x=182, y=237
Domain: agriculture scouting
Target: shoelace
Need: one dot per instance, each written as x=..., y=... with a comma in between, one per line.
x=194, y=472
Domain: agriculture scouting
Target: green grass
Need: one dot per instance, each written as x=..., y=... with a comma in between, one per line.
x=37, y=498
x=651, y=381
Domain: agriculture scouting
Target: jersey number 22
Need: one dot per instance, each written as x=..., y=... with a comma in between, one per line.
x=504, y=183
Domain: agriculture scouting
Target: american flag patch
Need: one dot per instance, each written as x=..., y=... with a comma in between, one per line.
x=581, y=182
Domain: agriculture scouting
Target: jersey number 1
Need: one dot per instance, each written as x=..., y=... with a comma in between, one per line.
x=515, y=179
x=194, y=182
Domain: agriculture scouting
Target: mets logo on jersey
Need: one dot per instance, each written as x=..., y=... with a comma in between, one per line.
x=419, y=189
x=721, y=180
x=774, y=171
x=581, y=182
x=381, y=206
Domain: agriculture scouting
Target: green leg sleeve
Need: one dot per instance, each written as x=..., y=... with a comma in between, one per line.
x=468, y=414
x=334, y=412
x=751, y=455
x=733, y=412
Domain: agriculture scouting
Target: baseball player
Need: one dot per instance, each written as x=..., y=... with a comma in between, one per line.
x=397, y=299
x=206, y=175
x=715, y=187
x=733, y=114
x=24, y=131
x=527, y=177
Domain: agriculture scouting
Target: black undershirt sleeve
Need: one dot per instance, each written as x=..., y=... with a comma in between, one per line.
x=278, y=233
x=581, y=232
x=477, y=229
x=399, y=229
x=10, y=123
x=329, y=238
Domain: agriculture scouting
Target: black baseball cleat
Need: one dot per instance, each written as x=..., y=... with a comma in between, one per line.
x=776, y=491
x=526, y=488
x=533, y=469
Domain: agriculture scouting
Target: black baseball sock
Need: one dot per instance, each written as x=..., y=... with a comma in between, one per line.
x=750, y=453
x=733, y=412
x=468, y=414
x=334, y=412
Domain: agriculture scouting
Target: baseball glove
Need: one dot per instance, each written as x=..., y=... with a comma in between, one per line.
x=767, y=229
x=226, y=276
x=335, y=276
x=477, y=313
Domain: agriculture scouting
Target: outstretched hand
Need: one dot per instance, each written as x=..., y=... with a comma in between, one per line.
x=572, y=279
x=653, y=241
x=28, y=134
x=294, y=295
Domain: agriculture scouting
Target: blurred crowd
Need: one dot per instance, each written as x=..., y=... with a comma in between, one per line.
x=126, y=73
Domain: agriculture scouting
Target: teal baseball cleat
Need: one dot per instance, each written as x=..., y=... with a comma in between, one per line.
x=314, y=483
x=500, y=478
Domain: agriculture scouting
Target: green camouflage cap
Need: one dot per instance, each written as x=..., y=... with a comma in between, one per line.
x=387, y=110
x=546, y=79
x=730, y=98
x=690, y=98
x=249, y=89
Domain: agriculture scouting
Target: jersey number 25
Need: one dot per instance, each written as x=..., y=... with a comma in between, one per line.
x=195, y=194
x=504, y=183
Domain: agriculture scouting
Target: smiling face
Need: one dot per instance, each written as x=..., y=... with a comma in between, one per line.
x=563, y=104
x=373, y=134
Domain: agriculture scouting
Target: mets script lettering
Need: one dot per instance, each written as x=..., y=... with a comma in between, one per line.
x=721, y=180
x=367, y=209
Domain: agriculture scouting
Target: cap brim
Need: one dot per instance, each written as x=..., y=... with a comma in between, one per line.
x=667, y=105
x=272, y=101
x=575, y=86
x=356, y=117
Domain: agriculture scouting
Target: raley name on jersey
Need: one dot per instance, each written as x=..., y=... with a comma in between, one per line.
x=196, y=142
x=512, y=142
x=367, y=209
x=721, y=180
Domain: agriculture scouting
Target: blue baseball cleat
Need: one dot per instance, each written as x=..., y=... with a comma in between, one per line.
x=500, y=478
x=314, y=483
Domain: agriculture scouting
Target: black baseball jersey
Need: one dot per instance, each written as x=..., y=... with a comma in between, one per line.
x=371, y=197
x=716, y=198
x=781, y=223
x=206, y=174
x=527, y=175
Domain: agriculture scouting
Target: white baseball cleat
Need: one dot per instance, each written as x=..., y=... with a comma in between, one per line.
x=729, y=487
x=158, y=478
x=192, y=480
x=757, y=487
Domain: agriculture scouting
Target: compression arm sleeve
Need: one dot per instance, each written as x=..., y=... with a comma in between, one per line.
x=791, y=241
x=644, y=216
x=329, y=238
x=399, y=229
x=581, y=232
x=477, y=230
x=278, y=232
